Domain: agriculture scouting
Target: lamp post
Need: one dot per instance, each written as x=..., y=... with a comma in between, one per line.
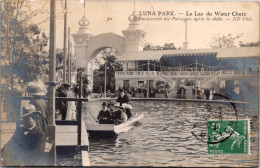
x=65, y=43
x=244, y=83
x=196, y=85
x=69, y=58
x=52, y=79
x=148, y=80
x=105, y=83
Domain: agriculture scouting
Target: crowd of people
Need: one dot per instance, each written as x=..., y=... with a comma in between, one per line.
x=151, y=92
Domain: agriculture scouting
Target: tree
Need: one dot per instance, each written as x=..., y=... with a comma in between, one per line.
x=157, y=47
x=23, y=44
x=167, y=46
x=225, y=41
x=109, y=56
x=162, y=85
x=251, y=44
x=148, y=46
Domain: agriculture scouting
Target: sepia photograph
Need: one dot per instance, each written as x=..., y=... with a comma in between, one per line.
x=129, y=83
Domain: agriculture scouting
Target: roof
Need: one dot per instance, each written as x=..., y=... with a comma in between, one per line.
x=239, y=52
x=222, y=53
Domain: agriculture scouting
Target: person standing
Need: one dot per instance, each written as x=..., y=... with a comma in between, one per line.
x=145, y=91
x=212, y=92
x=207, y=93
x=38, y=92
x=71, y=109
x=62, y=105
x=85, y=88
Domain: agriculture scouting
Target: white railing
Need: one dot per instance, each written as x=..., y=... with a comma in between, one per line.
x=238, y=72
x=141, y=73
x=188, y=73
x=165, y=78
x=184, y=73
x=210, y=78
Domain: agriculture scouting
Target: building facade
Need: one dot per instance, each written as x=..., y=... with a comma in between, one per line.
x=206, y=67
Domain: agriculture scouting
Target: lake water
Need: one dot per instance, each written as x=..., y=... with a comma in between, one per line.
x=164, y=136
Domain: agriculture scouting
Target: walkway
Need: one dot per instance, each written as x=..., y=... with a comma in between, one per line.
x=7, y=131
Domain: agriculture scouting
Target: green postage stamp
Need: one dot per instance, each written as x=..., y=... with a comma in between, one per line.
x=228, y=137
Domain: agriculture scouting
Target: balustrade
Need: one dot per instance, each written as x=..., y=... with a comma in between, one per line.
x=188, y=73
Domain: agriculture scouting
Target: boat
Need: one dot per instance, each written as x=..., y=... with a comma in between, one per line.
x=105, y=130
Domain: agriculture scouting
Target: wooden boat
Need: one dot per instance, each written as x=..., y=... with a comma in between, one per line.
x=111, y=129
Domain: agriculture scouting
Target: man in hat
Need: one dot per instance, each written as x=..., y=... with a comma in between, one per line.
x=124, y=101
x=26, y=147
x=63, y=104
x=119, y=114
x=105, y=115
x=38, y=92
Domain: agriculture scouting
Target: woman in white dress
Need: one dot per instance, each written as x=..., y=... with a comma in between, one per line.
x=71, y=110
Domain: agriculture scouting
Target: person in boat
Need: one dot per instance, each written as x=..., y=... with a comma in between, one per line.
x=119, y=114
x=105, y=116
x=124, y=101
x=26, y=147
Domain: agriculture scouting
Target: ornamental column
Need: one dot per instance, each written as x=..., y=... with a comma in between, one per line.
x=81, y=39
x=134, y=36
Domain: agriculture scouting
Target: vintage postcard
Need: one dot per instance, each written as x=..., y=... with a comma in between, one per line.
x=127, y=83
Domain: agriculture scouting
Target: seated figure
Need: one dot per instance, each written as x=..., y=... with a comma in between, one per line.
x=105, y=116
x=119, y=114
x=26, y=147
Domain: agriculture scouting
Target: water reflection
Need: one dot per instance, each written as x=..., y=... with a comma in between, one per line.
x=164, y=137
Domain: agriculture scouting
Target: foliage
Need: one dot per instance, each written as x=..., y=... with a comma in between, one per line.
x=159, y=83
x=167, y=46
x=109, y=57
x=23, y=44
x=162, y=85
x=225, y=41
x=251, y=44
x=148, y=46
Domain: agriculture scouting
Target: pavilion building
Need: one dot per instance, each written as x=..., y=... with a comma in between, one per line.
x=206, y=67
x=139, y=67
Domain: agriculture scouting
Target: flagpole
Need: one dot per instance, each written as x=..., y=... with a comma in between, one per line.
x=196, y=88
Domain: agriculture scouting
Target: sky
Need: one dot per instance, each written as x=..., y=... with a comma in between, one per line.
x=200, y=33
